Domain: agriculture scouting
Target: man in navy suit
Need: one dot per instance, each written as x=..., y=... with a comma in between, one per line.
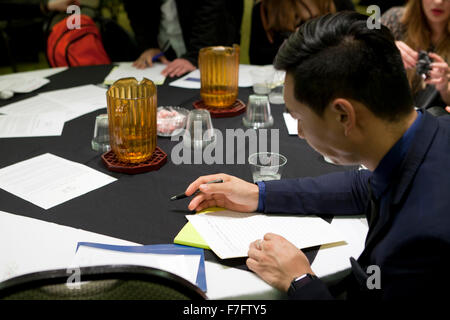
x=346, y=86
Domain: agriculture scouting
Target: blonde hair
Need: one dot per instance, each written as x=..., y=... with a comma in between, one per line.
x=418, y=37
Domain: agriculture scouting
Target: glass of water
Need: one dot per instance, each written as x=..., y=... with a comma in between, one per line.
x=266, y=166
x=262, y=79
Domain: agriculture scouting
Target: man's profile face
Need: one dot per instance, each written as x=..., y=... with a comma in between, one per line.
x=323, y=134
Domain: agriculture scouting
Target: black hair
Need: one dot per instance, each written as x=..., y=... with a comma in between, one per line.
x=338, y=56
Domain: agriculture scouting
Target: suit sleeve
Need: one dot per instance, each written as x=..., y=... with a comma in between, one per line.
x=203, y=29
x=215, y=22
x=340, y=193
x=314, y=290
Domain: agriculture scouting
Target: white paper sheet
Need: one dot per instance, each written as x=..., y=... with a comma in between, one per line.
x=30, y=245
x=126, y=69
x=22, y=84
x=48, y=180
x=41, y=73
x=333, y=259
x=192, y=79
x=291, y=124
x=78, y=101
x=188, y=81
x=230, y=233
x=34, y=106
x=13, y=126
x=185, y=266
x=72, y=102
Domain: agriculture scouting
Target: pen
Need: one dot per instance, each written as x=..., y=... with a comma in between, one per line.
x=159, y=55
x=182, y=195
x=156, y=57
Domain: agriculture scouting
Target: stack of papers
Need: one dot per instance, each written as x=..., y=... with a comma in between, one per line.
x=229, y=234
x=48, y=180
x=126, y=70
x=186, y=262
x=46, y=113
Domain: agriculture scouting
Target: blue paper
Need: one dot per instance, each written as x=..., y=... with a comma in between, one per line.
x=160, y=249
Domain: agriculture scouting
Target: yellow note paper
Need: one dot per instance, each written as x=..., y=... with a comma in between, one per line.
x=188, y=236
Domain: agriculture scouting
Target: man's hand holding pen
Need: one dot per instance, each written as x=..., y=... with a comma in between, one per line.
x=234, y=193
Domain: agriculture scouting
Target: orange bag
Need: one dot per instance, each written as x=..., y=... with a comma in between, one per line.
x=76, y=47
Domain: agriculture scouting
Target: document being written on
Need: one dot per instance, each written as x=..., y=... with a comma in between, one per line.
x=230, y=233
x=48, y=180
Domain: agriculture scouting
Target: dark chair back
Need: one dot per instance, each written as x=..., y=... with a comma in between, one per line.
x=111, y=282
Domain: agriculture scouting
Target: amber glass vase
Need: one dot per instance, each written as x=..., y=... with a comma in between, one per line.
x=132, y=119
x=219, y=75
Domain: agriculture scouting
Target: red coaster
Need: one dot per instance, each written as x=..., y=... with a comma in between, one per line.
x=158, y=159
x=235, y=109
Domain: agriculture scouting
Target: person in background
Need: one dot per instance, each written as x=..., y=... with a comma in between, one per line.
x=274, y=20
x=347, y=88
x=11, y=9
x=384, y=5
x=424, y=25
x=179, y=29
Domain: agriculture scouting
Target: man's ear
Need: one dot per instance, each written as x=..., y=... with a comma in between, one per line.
x=344, y=113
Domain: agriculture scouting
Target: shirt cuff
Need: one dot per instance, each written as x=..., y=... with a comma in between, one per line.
x=262, y=196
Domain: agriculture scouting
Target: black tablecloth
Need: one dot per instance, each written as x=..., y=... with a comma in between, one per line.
x=137, y=207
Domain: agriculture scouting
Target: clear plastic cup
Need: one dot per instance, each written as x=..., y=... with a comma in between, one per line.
x=199, y=130
x=100, y=141
x=258, y=113
x=276, y=95
x=266, y=166
x=262, y=79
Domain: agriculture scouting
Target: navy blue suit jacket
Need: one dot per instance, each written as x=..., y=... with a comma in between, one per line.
x=410, y=242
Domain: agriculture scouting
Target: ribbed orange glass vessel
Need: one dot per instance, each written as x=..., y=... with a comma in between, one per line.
x=132, y=119
x=219, y=75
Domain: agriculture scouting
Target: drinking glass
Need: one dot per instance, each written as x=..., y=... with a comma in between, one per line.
x=258, y=113
x=199, y=130
x=276, y=95
x=100, y=141
x=262, y=79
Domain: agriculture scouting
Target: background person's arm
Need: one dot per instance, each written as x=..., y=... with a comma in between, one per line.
x=144, y=17
x=439, y=77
